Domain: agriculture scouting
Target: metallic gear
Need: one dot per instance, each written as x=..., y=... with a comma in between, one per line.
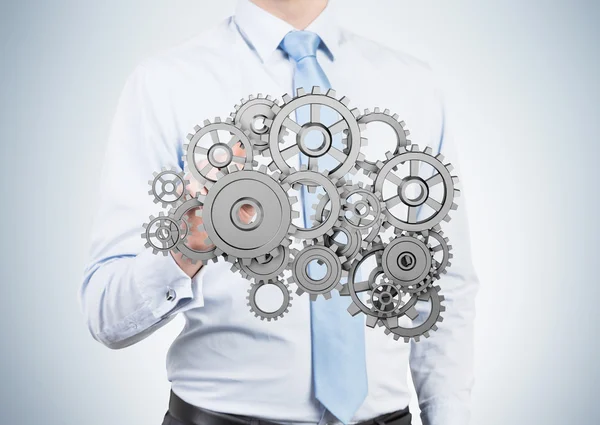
x=351, y=249
x=273, y=214
x=408, y=262
x=315, y=287
x=397, y=126
x=375, y=312
x=442, y=175
x=385, y=298
x=333, y=189
x=439, y=245
x=254, y=116
x=429, y=324
x=269, y=271
x=365, y=212
x=178, y=214
x=168, y=187
x=282, y=122
x=162, y=234
x=203, y=161
x=269, y=315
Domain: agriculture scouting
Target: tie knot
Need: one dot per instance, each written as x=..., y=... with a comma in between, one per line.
x=300, y=44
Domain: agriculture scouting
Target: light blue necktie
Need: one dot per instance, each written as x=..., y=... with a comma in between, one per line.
x=338, y=341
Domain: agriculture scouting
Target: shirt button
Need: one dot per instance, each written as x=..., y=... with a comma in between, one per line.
x=171, y=294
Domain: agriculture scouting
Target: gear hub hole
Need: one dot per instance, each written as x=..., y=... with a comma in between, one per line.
x=269, y=298
x=258, y=124
x=316, y=270
x=247, y=214
x=407, y=261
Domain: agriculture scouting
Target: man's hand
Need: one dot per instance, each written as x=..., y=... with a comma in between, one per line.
x=196, y=239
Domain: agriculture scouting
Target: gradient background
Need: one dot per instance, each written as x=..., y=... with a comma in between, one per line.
x=522, y=79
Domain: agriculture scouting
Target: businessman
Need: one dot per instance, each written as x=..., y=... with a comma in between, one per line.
x=226, y=367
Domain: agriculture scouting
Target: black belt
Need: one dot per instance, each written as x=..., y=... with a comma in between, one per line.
x=188, y=414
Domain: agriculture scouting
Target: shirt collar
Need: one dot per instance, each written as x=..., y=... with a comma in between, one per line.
x=264, y=31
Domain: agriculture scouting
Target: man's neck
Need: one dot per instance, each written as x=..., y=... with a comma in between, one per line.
x=297, y=13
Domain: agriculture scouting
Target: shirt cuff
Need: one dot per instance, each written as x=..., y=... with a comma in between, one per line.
x=162, y=283
x=445, y=414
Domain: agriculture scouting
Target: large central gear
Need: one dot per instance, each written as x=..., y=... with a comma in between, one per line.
x=245, y=212
x=273, y=214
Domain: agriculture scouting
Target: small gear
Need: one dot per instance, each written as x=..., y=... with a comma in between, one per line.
x=439, y=245
x=333, y=271
x=255, y=116
x=385, y=298
x=269, y=315
x=162, y=234
x=268, y=271
x=422, y=189
x=408, y=262
x=347, y=125
x=269, y=228
x=391, y=120
x=429, y=324
x=204, y=158
x=178, y=214
x=168, y=187
x=333, y=189
x=363, y=208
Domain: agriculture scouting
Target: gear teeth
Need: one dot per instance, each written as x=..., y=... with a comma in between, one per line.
x=316, y=90
x=300, y=91
x=345, y=101
x=286, y=98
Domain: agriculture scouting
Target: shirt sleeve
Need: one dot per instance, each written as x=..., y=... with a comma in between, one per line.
x=127, y=291
x=442, y=365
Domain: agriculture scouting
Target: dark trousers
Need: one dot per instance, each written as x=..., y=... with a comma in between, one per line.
x=182, y=413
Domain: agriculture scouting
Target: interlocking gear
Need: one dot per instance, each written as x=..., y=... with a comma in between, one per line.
x=333, y=189
x=413, y=191
x=408, y=262
x=222, y=214
x=428, y=324
x=168, y=187
x=204, y=157
x=254, y=116
x=264, y=314
x=248, y=212
x=162, y=234
x=398, y=127
x=439, y=245
x=347, y=125
x=195, y=206
x=267, y=272
x=317, y=285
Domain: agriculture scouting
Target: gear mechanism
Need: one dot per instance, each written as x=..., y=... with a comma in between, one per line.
x=246, y=215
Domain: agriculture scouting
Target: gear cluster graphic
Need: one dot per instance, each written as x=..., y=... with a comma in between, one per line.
x=379, y=241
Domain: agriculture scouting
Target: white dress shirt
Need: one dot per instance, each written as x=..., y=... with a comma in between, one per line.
x=225, y=359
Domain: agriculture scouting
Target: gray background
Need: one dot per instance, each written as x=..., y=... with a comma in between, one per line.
x=522, y=78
